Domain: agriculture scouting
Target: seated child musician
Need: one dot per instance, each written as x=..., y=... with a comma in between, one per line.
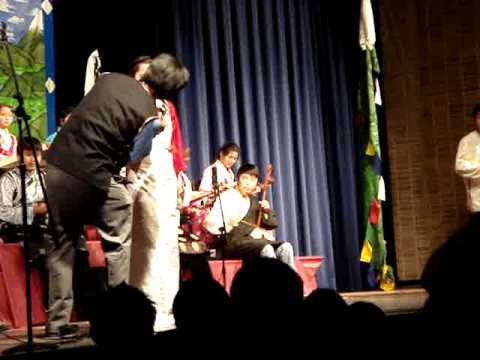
x=241, y=209
x=11, y=214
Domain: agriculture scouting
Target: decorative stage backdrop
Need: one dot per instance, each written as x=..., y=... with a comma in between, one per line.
x=30, y=38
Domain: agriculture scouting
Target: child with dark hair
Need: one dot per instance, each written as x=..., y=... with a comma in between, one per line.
x=62, y=120
x=240, y=211
x=227, y=156
x=11, y=212
x=10, y=187
x=8, y=142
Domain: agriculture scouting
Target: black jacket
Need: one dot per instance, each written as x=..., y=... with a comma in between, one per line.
x=95, y=142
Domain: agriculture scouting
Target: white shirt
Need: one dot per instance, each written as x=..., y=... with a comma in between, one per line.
x=467, y=165
x=235, y=207
x=224, y=176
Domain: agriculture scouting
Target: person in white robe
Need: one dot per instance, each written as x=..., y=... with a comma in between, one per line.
x=467, y=163
x=155, y=264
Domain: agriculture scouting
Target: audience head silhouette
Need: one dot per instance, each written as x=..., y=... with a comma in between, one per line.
x=124, y=315
x=266, y=293
x=200, y=304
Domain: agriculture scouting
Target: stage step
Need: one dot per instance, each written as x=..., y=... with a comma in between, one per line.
x=400, y=301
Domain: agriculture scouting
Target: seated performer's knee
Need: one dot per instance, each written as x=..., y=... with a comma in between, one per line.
x=268, y=252
x=285, y=254
x=285, y=248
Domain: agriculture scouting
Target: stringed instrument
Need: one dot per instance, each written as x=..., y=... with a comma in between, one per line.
x=264, y=186
x=205, y=194
x=267, y=183
x=8, y=163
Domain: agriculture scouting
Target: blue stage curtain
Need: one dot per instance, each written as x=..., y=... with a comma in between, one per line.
x=256, y=78
x=336, y=24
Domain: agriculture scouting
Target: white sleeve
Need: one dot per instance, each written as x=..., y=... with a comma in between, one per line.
x=206, y=183
x=213, y=221
x=92, y=71
x=467, y=164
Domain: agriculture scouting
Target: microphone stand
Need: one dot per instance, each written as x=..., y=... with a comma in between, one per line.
x=29, y=346
x=223, y=231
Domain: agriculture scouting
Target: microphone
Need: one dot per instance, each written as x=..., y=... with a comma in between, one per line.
x=3, y=31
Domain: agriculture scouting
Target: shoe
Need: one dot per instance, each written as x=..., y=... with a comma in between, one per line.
x=4, y=326
x=68, y=331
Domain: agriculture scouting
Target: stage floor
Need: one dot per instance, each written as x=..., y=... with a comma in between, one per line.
x=14, y=337
x=397, y=302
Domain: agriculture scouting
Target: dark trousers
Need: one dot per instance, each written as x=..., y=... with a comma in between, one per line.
x=74, y=203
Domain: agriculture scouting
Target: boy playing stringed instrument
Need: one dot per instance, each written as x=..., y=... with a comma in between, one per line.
x=248, y=221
